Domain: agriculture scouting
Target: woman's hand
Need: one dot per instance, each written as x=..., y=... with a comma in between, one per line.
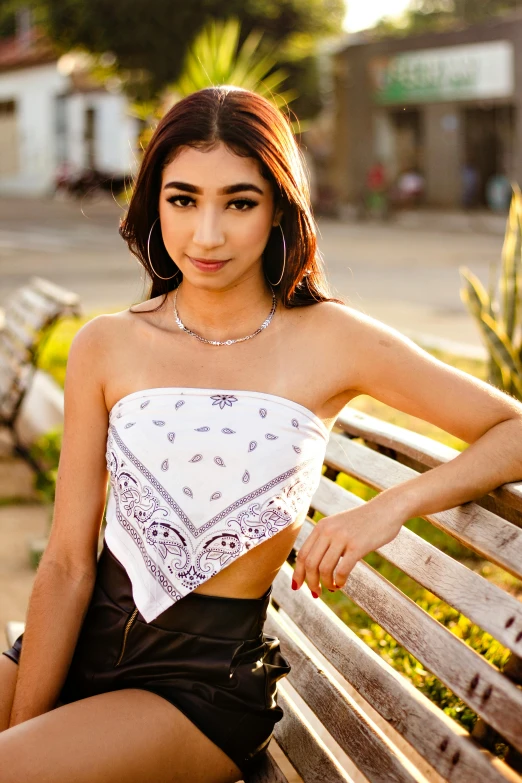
x=338, y=541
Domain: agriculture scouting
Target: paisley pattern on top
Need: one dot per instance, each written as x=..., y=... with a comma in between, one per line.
x=198, y=478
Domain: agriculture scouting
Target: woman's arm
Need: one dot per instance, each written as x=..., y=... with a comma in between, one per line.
x=65, y=578
x=391, y=368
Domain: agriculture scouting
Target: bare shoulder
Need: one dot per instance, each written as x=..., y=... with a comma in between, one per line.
x=88, y=359
x=334, y=315
x=338, y=329
x=95, y=337
x=376, y=359
x=341, y=324
x=366, y=353
x=96, y=346
x=106, y=331
x=321, y=317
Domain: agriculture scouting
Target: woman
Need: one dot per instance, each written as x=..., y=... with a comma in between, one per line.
x=209, y=407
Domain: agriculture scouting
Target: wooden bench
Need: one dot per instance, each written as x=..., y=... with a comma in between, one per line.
x=403, y=736
x=361, y=706
x=25, y=325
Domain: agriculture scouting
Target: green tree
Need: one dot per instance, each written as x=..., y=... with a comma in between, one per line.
x=215, y=58
x=440, y=15
x=150, y=38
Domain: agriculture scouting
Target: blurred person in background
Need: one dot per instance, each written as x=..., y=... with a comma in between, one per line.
x=376, y=197
x=409, y=188
x=470, y=185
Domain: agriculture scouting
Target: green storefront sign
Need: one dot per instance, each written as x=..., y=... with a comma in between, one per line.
x=451, y=73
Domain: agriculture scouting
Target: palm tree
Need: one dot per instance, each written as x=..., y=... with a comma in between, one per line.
x=214, y=58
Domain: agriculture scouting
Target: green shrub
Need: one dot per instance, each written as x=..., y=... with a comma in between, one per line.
x=46, y=452
x=498, y=311
x=53, y=357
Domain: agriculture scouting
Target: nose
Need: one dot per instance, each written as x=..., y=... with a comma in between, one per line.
x=208, y=232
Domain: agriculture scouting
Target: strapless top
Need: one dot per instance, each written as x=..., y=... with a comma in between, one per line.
x=198, y=477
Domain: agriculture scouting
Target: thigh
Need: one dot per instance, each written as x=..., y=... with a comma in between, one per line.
x=124, y=736
x=8, y=677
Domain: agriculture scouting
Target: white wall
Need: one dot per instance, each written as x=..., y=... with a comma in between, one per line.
x=74, y=111
x=34, y=90
x=115, y=132
x=116, y=135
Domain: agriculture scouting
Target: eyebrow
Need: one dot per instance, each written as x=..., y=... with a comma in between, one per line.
x=237, y=188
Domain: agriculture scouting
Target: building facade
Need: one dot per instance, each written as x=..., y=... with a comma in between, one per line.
x=51, y=116
x=440, y=104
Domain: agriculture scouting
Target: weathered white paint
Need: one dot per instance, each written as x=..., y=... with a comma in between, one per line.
x=33, y=90
x=40, y=147
x=115, y=131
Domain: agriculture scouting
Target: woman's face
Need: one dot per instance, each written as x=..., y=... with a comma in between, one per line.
x=215, y=206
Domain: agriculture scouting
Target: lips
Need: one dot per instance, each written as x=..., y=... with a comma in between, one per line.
x=206, y=264
x=210, y=260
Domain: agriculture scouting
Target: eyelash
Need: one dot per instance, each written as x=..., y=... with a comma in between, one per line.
x=248, y=201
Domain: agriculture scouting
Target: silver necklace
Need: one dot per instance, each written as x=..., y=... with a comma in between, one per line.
x=224, y=342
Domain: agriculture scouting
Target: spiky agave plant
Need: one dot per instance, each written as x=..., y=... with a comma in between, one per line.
x=498, y=311
x=214, y=58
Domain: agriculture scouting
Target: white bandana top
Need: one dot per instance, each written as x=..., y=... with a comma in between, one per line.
x=198, y=477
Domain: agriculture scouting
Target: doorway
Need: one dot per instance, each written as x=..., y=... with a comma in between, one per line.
x=489, y=134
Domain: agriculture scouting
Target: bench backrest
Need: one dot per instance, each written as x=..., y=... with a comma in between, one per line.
x=25, y=324
x=403, y=736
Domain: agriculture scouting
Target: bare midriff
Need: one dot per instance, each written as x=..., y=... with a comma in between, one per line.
x=251, y=574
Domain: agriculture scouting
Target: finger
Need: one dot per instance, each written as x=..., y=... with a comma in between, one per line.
x=344, y=569
x=311, y=566
x=299, y=569
x=331, y=560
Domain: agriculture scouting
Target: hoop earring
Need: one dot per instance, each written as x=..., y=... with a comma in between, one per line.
x=148, y=255
x=284, y=259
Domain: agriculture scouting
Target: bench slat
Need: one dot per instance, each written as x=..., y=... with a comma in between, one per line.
x=12, y=349
x=481, y=530
x=439, y=739
x=33, y=300
x=418, y=447
x=303, y=748
x=422, y=449
x=21, y=314
x=494, y=698
x=266, y=770
x=67, y=299
x=350, y=727
x=21, y=335
x=26, y=320
x=485, y=604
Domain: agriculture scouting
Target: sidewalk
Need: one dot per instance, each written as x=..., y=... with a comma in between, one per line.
x=479, y=221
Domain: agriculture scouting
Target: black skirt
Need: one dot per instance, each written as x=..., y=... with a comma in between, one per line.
x=207, y=655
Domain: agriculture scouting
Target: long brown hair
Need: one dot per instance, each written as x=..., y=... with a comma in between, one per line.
x=250, y=126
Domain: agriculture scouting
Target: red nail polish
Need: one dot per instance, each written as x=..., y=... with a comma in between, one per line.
x=315, y=594
x=294, y=584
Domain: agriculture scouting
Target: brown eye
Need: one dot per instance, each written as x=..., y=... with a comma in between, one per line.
x=172, y=199
x=244, y=201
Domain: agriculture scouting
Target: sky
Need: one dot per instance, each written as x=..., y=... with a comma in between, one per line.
x=365, y=13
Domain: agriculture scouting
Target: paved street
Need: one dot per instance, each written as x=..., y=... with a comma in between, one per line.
x=405, y=276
